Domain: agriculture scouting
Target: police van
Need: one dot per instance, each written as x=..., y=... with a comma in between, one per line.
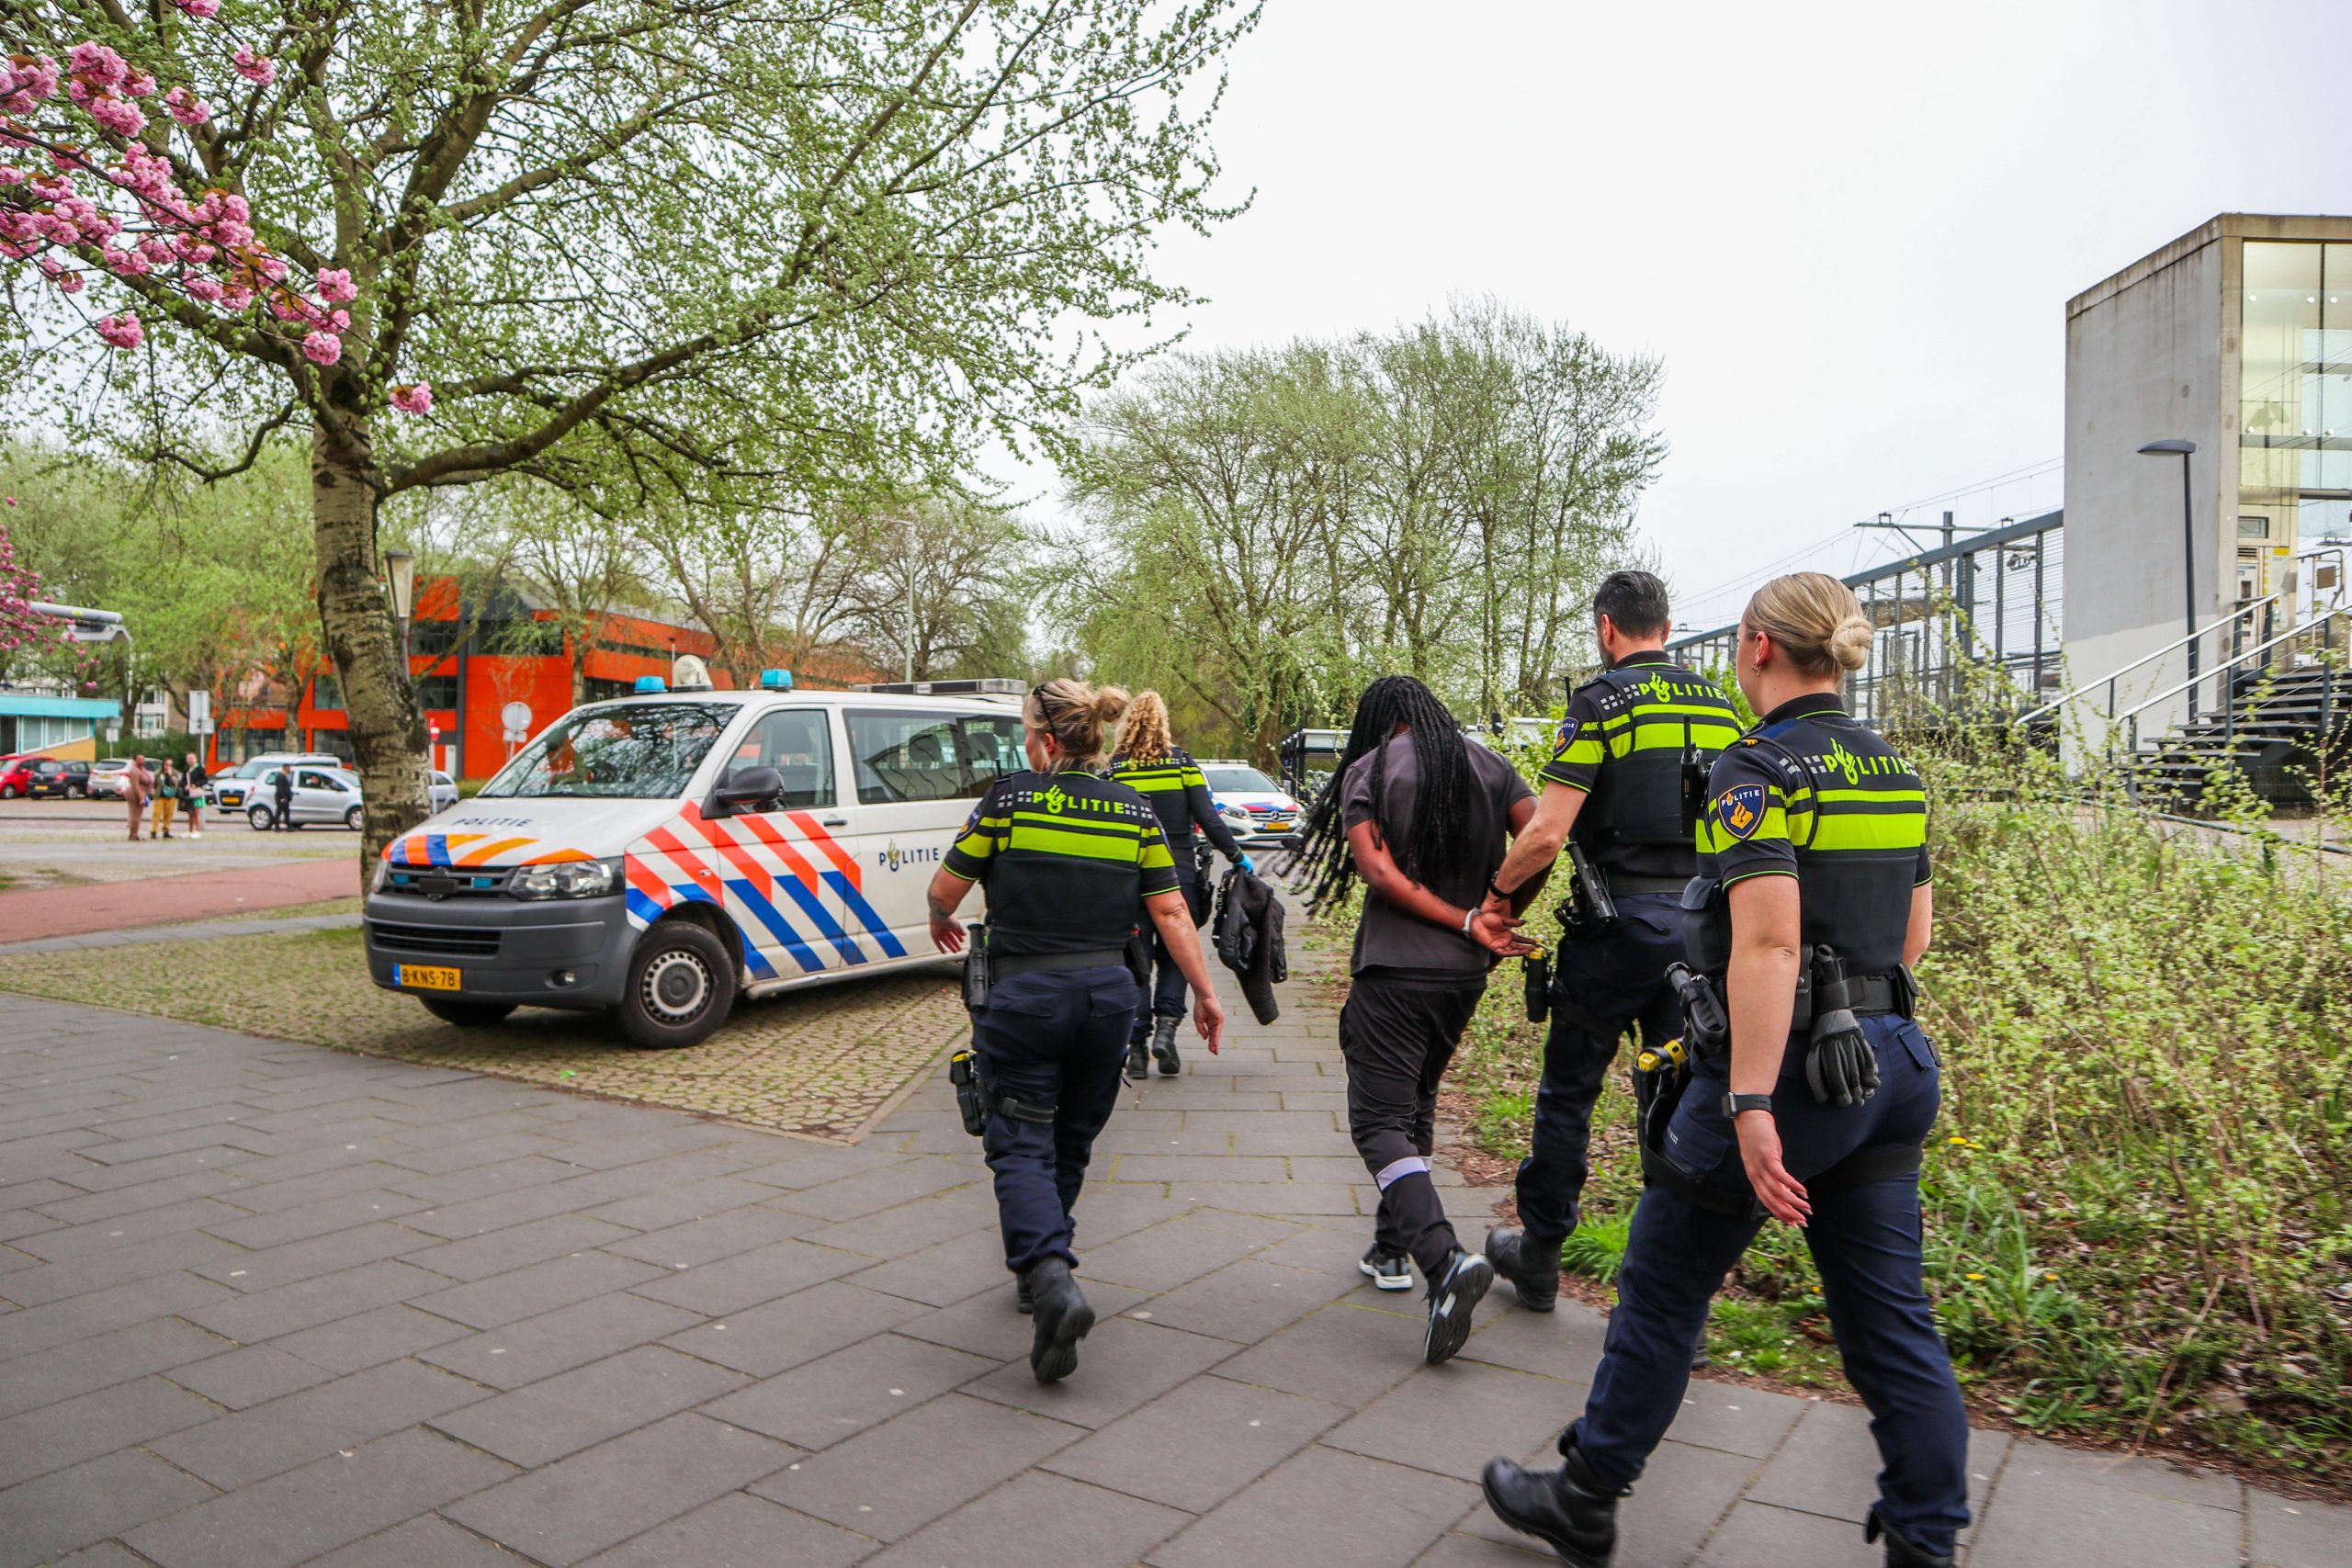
x=662, y=853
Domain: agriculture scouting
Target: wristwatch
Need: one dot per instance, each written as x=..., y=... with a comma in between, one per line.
x=1736, y=1103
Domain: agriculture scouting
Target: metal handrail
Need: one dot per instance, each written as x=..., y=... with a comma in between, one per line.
x=2112, y=676
x=2229, y=705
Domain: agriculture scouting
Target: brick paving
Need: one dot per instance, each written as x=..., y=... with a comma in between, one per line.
x=262, y=1304
x=192, y=896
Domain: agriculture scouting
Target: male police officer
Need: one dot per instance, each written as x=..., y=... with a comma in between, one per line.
x=1616, y=787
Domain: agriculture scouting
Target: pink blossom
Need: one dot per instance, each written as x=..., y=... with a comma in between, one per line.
x=413, y=400
x=270, y=266
x=202, y=10
x=336, y=285
x=123, y=331
x=71, y=282
x=140, y=85
x=187, y=108
x=255, y=67
x=96, y=64
x=232, y=235
x=236, y=297
x=25, y=81
x=128, y=264
x=118, y=115
x=208, y=289
x=236, y=208
x=156, y=249
x=12, y=176
x=338, y=321
x=322, y=348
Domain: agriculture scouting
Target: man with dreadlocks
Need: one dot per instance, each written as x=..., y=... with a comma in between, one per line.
x=1422, y=816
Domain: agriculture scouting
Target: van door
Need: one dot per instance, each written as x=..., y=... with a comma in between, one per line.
x=915, y=775
x=780, y=868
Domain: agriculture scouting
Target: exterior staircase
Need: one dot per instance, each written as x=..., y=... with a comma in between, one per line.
x=2284, y=728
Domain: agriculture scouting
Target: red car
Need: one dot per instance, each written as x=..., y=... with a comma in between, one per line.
x=15, y=777
x=34, y=774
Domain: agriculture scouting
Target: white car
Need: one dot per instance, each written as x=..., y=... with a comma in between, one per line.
x=1258, y=810
x=232, y=785
x=322, y=796
x=660, y=855
x=107, y=777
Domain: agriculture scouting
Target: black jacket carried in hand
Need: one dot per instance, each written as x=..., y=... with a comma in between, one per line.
x=1250, y=939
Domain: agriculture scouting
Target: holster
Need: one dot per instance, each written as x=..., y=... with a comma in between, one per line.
x=971, y=1099
x=1706, y=1024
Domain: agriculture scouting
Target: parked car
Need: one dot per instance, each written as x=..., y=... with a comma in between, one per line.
x=230, y=788
x=660, y=855
x=55, y=778
x=322, y=796
x=1260, y=814
x=15, y=777
x=107, y=777
x=445, y=791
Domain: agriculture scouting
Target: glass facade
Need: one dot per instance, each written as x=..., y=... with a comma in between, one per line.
x=2294, y=392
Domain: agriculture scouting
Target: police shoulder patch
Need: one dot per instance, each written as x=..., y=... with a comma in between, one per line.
x=1740, y=809
x=1564, y=738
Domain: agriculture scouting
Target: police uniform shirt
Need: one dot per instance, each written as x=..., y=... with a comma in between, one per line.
x=1619, y=734
x=1815, y=795
x=1065, y=858
x=1178, y=792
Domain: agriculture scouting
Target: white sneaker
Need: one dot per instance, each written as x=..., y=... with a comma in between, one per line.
x=1391, y=1271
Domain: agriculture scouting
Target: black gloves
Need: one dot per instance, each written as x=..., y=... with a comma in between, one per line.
x=1841, y=1069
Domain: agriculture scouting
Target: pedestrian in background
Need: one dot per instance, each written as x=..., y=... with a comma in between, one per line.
x=167, y=796
x=194, y=781
x=1423, y=816
x=136, y=784
x=1150, y=763
x=281, y=797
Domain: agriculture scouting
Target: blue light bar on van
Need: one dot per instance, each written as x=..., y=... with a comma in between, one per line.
x=651, y=683
x=775, y=680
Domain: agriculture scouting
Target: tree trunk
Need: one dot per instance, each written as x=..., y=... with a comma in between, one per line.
x=387, y=727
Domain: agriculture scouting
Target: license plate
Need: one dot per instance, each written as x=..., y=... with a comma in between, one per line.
x=424, y=977
x=1278, y=824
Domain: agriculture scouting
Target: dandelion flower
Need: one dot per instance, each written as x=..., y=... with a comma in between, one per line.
x=1976, y=1276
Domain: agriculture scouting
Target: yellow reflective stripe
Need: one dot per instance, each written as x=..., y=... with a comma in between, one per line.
x=1582, y=750
x=1762, y=871
x=1660, y=737
x=1719, y=840
x=1157, y=858
x=1152, y=784
x=1127, y=827
x=1867, y=830
x=978, y=845
x=1879, y=796
x=1084, y=846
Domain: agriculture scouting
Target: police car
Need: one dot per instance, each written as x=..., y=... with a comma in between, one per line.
x=1260, y=814
x=662, y=853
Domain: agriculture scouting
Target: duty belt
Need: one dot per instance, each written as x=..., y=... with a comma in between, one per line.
x=1003, y=965
x=1622, y=883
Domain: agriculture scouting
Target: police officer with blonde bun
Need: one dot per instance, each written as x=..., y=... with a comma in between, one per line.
x=1810, y=1095
x=1066, y=856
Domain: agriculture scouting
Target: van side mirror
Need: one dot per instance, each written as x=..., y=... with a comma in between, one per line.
x=748, y=786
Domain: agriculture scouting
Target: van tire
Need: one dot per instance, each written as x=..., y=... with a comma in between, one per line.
x=466, y=1015
x=681, y=985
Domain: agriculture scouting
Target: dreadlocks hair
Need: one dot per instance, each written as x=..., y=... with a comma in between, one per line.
x=1441, y=758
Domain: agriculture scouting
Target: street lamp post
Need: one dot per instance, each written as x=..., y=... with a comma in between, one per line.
x=910, y=600
x=2176, y=447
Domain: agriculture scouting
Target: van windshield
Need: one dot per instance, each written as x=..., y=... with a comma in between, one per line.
x=623, y=752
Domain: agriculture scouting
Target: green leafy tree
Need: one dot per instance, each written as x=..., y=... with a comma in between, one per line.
x=716, y=254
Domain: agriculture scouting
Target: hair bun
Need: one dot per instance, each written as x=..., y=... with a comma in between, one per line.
x=1849, y=645
x=1110, y=702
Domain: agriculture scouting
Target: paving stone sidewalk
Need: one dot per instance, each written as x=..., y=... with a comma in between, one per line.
x=262, y=1305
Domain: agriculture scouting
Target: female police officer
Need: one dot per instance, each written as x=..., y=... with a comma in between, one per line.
x=1811, y=903
x=1164, y=773
x=1066, y=856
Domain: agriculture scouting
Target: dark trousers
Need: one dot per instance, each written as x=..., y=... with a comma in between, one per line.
x=1600, y=984
x=1050, y=1040
x=281, y=812
x=1865, y=1241
x=1397, y=1032
x=1168, y=987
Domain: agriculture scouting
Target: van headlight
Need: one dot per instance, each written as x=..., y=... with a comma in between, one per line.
x=565, y=879
x=381, y=875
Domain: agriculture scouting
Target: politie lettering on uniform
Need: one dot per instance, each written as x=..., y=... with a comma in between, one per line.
x=663, y=853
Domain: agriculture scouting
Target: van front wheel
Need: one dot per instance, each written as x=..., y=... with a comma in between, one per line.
x=681, y=985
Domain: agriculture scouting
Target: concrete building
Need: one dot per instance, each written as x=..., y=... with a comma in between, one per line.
x=2236, y=337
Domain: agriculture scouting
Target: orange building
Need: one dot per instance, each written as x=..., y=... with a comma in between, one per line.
x=512, y=650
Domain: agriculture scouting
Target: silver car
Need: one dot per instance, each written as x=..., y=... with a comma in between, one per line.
x=326, y=795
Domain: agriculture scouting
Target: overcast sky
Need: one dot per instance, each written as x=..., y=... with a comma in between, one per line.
x=1849, y=230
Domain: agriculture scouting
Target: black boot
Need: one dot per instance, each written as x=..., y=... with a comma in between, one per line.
x=1564, y=1508
x=1163, y=1045
x=1901, y=1553
x=1531, y=1263
x=1023, y=1301
x=1138, y=1065
x=1063, y=1319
